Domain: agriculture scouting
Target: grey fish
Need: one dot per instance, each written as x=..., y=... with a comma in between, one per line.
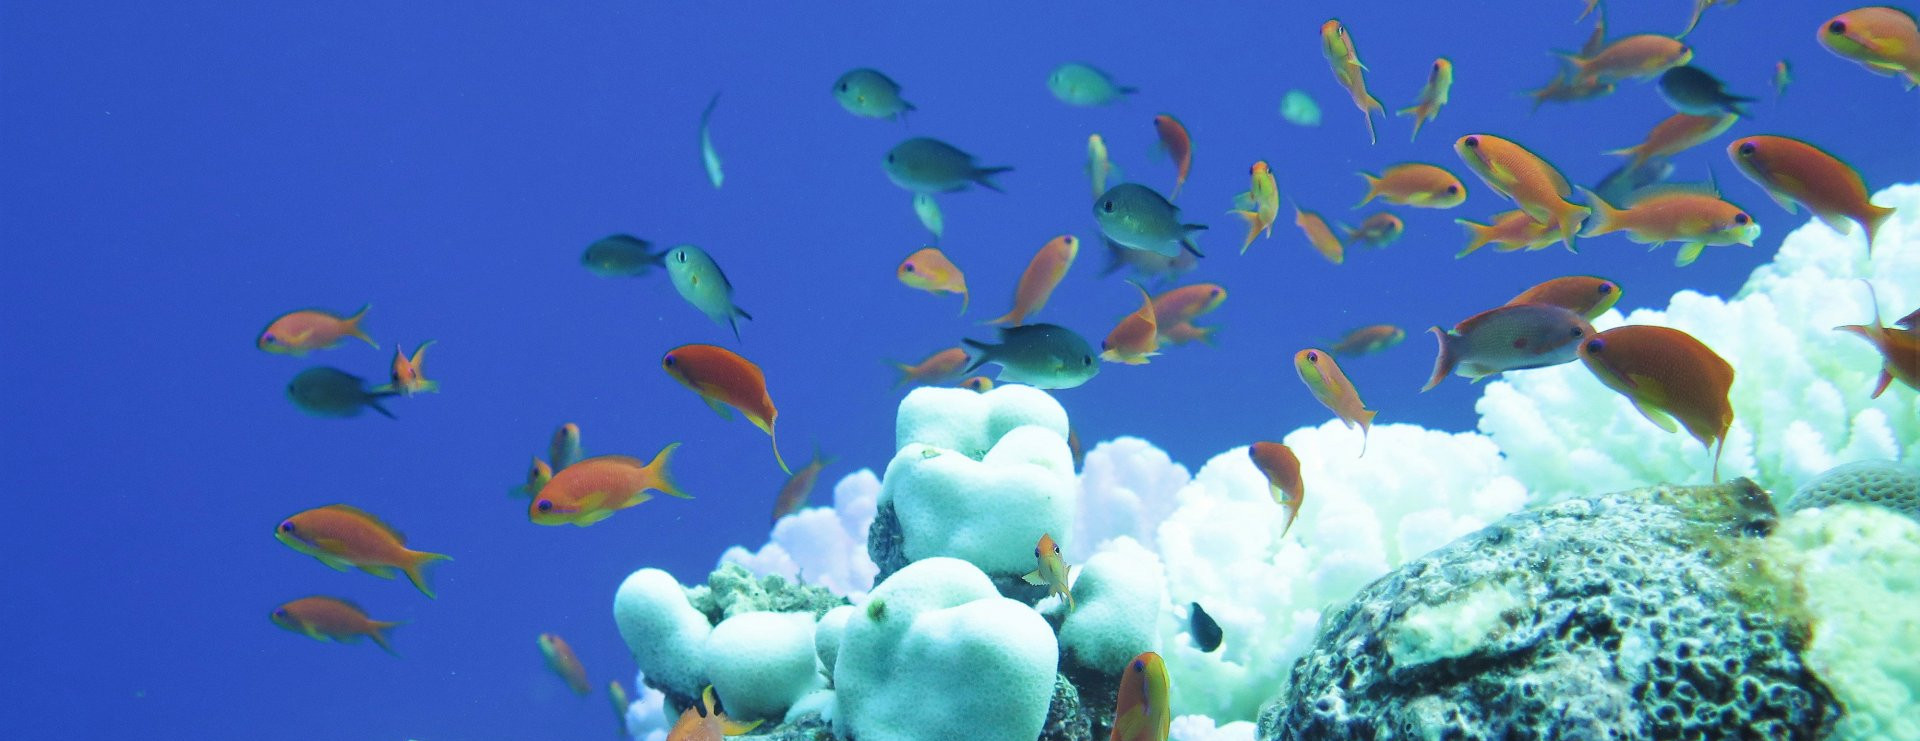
x=1206, y=633
x=622, y=256
x=869, y=94
x=925, y=165
x=1083, y=85
x=1137, y=216
x=1512, y=337
x=708, y=156
x=1619, y=186
x=699, y=280
x=1693, y=91
x=1046, y=356
x=1151, y=265
x=324, y=391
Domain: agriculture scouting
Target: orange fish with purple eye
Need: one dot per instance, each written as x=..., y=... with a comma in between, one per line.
x=929, y=270
x=1175, y=141
x=707, y=723
x=936, y=369
x=1668, y=375
x=981, y=384
x=1900, y=347
x=1331, y=388
x=1282, y=469
x=593, y=489
x=332, y=619
x=1136, y=337
x=1675, y=134
x=1416, y=184
x=1141, y=712
x=300, y=332
x=345, y=537
x=409, y=374
x=1186, y=303
x=724, y=379
x=1051, y=570
x=1044, y=272
x=1586, y=295
x=1793, y=171
x=562, y=660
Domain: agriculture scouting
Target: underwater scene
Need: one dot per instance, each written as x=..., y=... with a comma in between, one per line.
x=1535, y=369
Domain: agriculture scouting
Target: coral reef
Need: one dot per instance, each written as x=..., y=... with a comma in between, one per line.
x=732, y=590
x=1883, y=483
x=1629, y=615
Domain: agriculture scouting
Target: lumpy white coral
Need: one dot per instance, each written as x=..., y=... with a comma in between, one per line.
x=822, y=546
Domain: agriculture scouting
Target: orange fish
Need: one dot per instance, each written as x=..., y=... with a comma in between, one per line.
x=1415, y=184
x=538, y=475
x=981, y=384
x=1565, y=90
x=1369, y=340
x=1700, y=7
x=1511, y=230
x=1043, y=273
x=1432, y=97
x=561, y=659
x=1667, y=374
x=707, y=723
x=1319, y=235
x=344, y=537
x=1185, y=332
x=1136, y=338
x=936, y=369
x=1661, y=215
x=1282, y=469
x=300, y=332
x=1187, y=303
x=1179, y=146
x=1142, y=712
x=794, y=493
x=1885, y=40
x=1377, y=230
x=1900, y=348
x=1675, y=134
x=1585, y=295
x=929, y=270
x=724, y=379
x=409, y=374
x=1052, y=572
x=1344, y=60
x=1535, y=186
x=332, y=619
x=1330, y=386
x=1793, y=171
x=1633, y=57
x=593, y=489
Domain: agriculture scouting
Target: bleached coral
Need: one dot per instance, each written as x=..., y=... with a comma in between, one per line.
x=646, y=718
x=1119, y=596
x=1201, y=728
x=1800, y=390
x=1127, y=487
x=822, y=546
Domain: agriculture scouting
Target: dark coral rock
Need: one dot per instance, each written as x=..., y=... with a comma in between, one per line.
x=1065, y=719
x=806, y=728
x=1635, y=615
x=1099, y=691
x=886, y=545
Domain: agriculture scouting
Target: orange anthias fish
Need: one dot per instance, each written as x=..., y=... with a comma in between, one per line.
x=1331, y=387
x=794, y=493
x=1187, y=303
x=1377, y=230
x=1282, y=469
x=1369, y=340
x=1885, y=40
x=1667, y=374
x=595, y=488
x=1564, y=90
x=409, y=374
x=707, y=723
x=344, y=537
x=929, y=270
x=1415, y=184
x=1535, y=186
x=1661, y=215
x=1043, y=273
x=979, y=384
x=1185, y=332
x=1511, y=230
x=561, y=659
x=300, y=332
x=538, y=474
x=1319, y=235
x=1052, y=572
x=1337, y=46
x=1633, y=57
x=1142, y=712
x=1585, y=295
x=1136, y=338
x=935, y=370
x=1899, y=347
x=1178, y=145
x=1793, y=171
x=724, y=379
x=1675, y=134
x=1432, y=97
x=332, y=619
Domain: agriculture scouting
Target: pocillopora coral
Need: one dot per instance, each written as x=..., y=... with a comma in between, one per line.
x=969, y=422
x=938, y=654
x=1119, y=598
x=1856, y=565
x=989, y=511
x=762, y=663
x=667, y=636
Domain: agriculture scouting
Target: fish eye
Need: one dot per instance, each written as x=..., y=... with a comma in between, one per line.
x=1740, y=219
x=546, y=505
x=1471, y=141
x=1056, y=549
x=1746, y=150
x=1313, y=357
x=843, y=87
x=1139, y=665
x=1453, y=190
x=1436, y=66
x=1087, y=360
x=1606, y=288
x=1837, y=26
x=668, y=360
x=1036, y=551
x=1107, y=207
x=286, y=527
x=1215, y=292
x=280, y=613
x=1596, y=345
x=907, y=267
x=889, y=158
x=269, y=338
x=681, y=255
x=1576, y=332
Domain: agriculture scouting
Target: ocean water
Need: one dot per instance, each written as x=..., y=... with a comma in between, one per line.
x=173, y=176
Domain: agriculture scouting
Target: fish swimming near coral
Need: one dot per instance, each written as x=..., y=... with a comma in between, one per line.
x=798, y=487
x=1052, y=571
x=1793, y=171
x=594, y=489
x=1136, y=338
x=1668, y=375
x=1046, y=356
x=1278, y=463
x=1142, y=712
x=331, y=619
x=563, y=662
x=1205, y=631
x=1694, y=218
x=724, y=379
x=1899, y=348
x=934, y=370
x=706, y=723
x=347, y=537
x=1511, y=337
x=1331, y=388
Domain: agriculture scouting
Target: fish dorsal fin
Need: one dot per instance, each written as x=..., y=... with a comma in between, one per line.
x=376, y=521
x=1641, y=195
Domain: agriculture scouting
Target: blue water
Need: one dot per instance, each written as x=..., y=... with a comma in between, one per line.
x=173, y=176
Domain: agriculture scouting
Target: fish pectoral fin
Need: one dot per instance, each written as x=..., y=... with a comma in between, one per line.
x=337, y=564
x=1835, y=221
x=384, y=572
x=718, y=406
x=1654, y=414
x=731, y=727
x=1033, y=577
x=1688, y=253
x=595, y=516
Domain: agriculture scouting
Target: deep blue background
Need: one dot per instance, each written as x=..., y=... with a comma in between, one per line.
x=177, y=174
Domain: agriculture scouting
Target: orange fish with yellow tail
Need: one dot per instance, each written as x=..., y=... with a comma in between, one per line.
x=332, y=619
x=1142, y=712
x=707, y=723
x=1533, y=184
x=1899, y=347
x=724, y=379
x=562, y=660
x=1586, y=295
x=345, y=537
x=1668, y=375
x=593, y=489
x=1793, y=171
x=936, y=369
x=409, y=373
x=300, y=332
x=1043, y=273
x=1052, y=571
x=930, y=270
x=1282, y=469
x=1330, y=386
x=1136, y=338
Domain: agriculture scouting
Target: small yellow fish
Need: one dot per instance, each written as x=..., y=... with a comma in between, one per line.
x=1053, y=571
x=1319, y=235
x=1331, y=387
x=409, y=374
x=538, y=474
x=929, y=270
x=1259, y=206
x=1337, y=46
x=1432, y=96
x=1282, y=469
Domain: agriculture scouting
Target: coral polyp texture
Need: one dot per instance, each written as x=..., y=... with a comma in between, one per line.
x=1881, y=483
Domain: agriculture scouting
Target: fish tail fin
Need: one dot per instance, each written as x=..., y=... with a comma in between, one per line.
x=1418, y=122
x=381, y=633
x=1478, y=235
x=1033, y=577
x=1253, y=227
x=353, y=325
x=373, y=402
x=1569, y=220
x=964, y=300
x=1606, y=218
x=1186, y=238
x=1365, y=418
x=1012, y=317
x=986, y=353
x=1876, y=216
x=663, y=475
x=1447, y=358
x=1373, y=187
x=984, y=176
x=1366, y=109
x=1719, y=447
x=416, y=570
x=906, y=373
